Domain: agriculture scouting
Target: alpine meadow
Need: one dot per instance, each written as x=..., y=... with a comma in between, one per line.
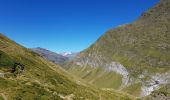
x=128, y=62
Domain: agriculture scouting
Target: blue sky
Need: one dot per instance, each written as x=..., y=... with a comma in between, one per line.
x=65, y=25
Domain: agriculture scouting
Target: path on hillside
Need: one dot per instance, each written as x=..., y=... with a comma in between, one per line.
x=3, y=95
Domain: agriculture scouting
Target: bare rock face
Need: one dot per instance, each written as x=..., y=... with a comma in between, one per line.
x=161, y=94
x=120, y=69
x=2, y=75
x=155, y=82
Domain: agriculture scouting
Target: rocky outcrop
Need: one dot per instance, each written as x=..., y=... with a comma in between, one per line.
x=96, y=60
x=120, y=69
x=154, y=83
x=161, y=94
x=17, y=69
x=2, y=75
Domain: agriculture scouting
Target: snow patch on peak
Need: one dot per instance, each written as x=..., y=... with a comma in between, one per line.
x=66, y=53
x=70, y=55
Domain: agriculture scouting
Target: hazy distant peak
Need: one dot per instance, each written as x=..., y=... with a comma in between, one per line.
x=70, y=55
x=67, y=53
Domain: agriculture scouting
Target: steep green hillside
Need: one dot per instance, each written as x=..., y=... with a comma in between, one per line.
x=139, y=52
x=5, y=61
x=98, y=76
x=24, y=75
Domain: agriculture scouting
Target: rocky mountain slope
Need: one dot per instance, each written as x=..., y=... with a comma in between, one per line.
x=51, y=56
x=24, y=75
x=133, y=57
x=161, y=94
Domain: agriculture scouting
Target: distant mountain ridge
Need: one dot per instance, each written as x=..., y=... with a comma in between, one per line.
x=51, y=56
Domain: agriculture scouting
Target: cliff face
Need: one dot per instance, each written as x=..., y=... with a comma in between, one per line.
x=137, y=52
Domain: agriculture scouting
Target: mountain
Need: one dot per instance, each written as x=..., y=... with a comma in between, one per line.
x=70, y=55
x=51, y=56
x=134, y=57
x=25, y=75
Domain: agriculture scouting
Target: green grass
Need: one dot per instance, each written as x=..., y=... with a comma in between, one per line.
x=141, y=46
x=5, y=61
x=98, y=76
x=43, y=80
x=5, y=83
x=1, y=98
x=134, y=89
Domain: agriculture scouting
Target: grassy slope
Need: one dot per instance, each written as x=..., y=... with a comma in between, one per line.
x=140, y=46
x=133, y=89
x=42, y=80
x=97, y=76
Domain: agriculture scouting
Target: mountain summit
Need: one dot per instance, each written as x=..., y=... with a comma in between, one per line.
x=133, y=57
x=70, y=55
